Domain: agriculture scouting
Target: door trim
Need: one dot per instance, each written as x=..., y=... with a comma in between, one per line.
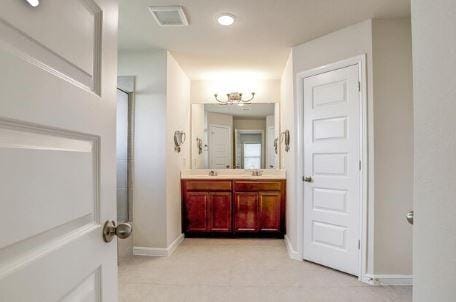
x=359, y=60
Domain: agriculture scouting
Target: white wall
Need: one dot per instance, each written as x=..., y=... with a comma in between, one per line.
x=389, y=107
x=434, y=65
x=177, y=118
x=393, y=116
x=343, y=44
x=287, y=159
x=149, y=198
x=266, y=91
x=162, y=105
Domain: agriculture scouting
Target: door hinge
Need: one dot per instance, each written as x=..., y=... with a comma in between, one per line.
x=360, y=165
x=359, y=86
x=359, y=244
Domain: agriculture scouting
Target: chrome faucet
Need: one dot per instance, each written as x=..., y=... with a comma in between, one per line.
x=257, y=172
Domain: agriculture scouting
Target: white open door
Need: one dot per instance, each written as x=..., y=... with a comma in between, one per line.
x=331, y=166
x=57, y=150
x=220, y=149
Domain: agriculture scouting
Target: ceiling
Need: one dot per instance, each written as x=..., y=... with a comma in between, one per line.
x=257, y=44
x=252, y=110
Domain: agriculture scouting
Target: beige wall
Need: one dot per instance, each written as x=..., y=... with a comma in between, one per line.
x=434, y=65
x=249, y=123
x=389, y=105
x=149, y=198
x=393, y=116
x=266, y=91
x=219, y=119
x=177, y=118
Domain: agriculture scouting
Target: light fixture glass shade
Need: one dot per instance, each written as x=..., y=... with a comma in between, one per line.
x=33, y=3
x=225, y=19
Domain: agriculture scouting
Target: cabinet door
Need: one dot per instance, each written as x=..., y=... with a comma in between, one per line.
x=196, y=209
x=220, y=212
x=246, y=212
x=269, y=211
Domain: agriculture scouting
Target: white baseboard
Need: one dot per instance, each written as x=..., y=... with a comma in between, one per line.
x=292, y=253
x=157, y=251
x=388, y=279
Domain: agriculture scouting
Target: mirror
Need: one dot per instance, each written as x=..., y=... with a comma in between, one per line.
x=235, y=137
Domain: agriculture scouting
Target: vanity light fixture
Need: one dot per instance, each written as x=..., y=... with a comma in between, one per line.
x=225, y=19
x=34, y=3
x=234, y=98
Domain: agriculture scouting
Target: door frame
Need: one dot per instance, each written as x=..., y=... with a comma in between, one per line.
x=209, y=142
x=359, y=60
x=263, y=145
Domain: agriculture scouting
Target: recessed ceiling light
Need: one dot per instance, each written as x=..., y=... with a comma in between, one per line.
x=225, y=19
x=34, y=3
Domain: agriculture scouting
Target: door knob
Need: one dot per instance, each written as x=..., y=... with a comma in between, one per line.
x=409, y=216
x=123, y=230
x=307, y=179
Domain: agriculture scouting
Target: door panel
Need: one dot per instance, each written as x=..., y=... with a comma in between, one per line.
x=269, y=211
x=246, y=212
x=331, y=157
x=220, y=212
x=220, y=147
x=57, y=149
x=196, y=211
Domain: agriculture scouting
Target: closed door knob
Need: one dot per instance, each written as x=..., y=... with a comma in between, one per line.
x=123, y=230
x=307, y=179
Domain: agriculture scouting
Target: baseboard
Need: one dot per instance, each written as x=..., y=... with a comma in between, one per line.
x=292, y=253
x=388, y=279
x=156, y=251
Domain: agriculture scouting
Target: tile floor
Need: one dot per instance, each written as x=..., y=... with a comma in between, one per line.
x=237, y=270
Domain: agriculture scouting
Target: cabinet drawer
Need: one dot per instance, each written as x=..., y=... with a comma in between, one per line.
x=256, y=186
x=207, y=185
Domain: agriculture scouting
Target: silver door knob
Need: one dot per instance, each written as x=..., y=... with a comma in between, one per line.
x=409, y=217
x=307, y=179
x=123, y=230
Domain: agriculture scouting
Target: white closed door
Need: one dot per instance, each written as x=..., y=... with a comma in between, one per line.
x=57, y=150
x=331, y=160
x=220, y=149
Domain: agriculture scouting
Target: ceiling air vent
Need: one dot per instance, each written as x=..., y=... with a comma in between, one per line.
x=169, y=15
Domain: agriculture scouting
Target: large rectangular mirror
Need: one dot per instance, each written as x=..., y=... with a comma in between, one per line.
x=233, y=136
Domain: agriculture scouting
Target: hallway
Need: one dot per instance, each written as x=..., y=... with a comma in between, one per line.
x=241, y=270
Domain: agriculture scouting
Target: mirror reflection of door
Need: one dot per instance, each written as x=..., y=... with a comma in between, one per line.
x=219, y=147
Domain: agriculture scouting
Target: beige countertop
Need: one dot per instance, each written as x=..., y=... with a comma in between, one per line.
x=233, y=174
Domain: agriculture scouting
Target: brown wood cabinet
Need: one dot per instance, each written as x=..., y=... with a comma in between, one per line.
x=233, y=207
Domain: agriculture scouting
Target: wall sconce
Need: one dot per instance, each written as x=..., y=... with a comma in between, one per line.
x=199, y=145
x=285, y=137
x=179, y=139
x=276, y=145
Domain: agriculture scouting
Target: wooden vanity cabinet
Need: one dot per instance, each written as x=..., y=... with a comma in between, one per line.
x=233, y=207
x=206, y=206
x=259, y=206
